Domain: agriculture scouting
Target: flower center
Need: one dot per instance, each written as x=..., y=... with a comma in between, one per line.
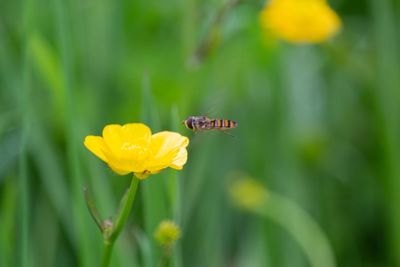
x=134, y=151
x=129, y=146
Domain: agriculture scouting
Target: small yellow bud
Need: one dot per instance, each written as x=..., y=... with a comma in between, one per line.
x=247, y=193
x=167, y=233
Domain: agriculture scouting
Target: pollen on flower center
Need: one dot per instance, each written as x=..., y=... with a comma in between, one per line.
x=129, y=146
x=138, y=151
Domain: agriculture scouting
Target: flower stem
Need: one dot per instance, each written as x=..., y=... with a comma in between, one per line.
x=107, y=253
x=122, y=216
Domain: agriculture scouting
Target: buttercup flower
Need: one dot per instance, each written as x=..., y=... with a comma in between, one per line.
x=167, y=233
x=131, y=148
x=300, y=21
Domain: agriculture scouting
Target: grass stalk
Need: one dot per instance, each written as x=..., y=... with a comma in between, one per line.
x=302, y=227
x=87, y=255
x=25, y=111
x=153, y=191
x=388, y=99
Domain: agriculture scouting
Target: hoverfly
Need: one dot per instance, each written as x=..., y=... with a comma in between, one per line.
x=203, y=123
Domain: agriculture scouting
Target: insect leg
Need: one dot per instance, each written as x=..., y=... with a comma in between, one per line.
x=225, y=132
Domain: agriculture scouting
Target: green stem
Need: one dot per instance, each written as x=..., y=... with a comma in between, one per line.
x=92, y=209
x=26, y=112
x=108, y=246
x=163, y=261
x=126, y=206
x=107, y=253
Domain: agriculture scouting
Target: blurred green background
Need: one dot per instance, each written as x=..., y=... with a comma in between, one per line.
x=318, y=124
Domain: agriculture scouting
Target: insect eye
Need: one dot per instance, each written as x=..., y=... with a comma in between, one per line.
x=189, y=123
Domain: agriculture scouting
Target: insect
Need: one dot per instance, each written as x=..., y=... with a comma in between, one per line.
x=203, y=123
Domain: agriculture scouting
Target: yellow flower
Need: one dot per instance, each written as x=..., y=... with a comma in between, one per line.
x=131, y=148
x=167, y=233
x=247, y=193
x=300, y=21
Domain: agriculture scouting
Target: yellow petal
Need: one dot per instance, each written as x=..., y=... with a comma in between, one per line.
x=168, y=150
x=127, y=137
x=112, y=138
x=96, y=145
x=179, y=160
x=118, y=170
x=136, y=133
x=163, y=143
x=129, y=146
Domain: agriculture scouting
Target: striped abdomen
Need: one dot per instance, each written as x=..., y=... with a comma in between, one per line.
x=220, y=124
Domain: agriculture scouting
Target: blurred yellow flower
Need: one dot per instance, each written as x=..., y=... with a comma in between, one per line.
x=247, y=193
x=300, y=21
x=131, y=148
x=167, y=233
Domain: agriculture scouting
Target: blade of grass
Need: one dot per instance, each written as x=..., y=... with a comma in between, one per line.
x=25, y=111
x=153, y=192
x=88, y=241
x=51, y=174
x=302, y=227
x=388, y=99
x=8, y=218
x=45, y=224
x=9, y=154
x=144, y=246
x=174, y=190
x=253, y=250
x=196, y=182
x=173, y=183
x=48, y=65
